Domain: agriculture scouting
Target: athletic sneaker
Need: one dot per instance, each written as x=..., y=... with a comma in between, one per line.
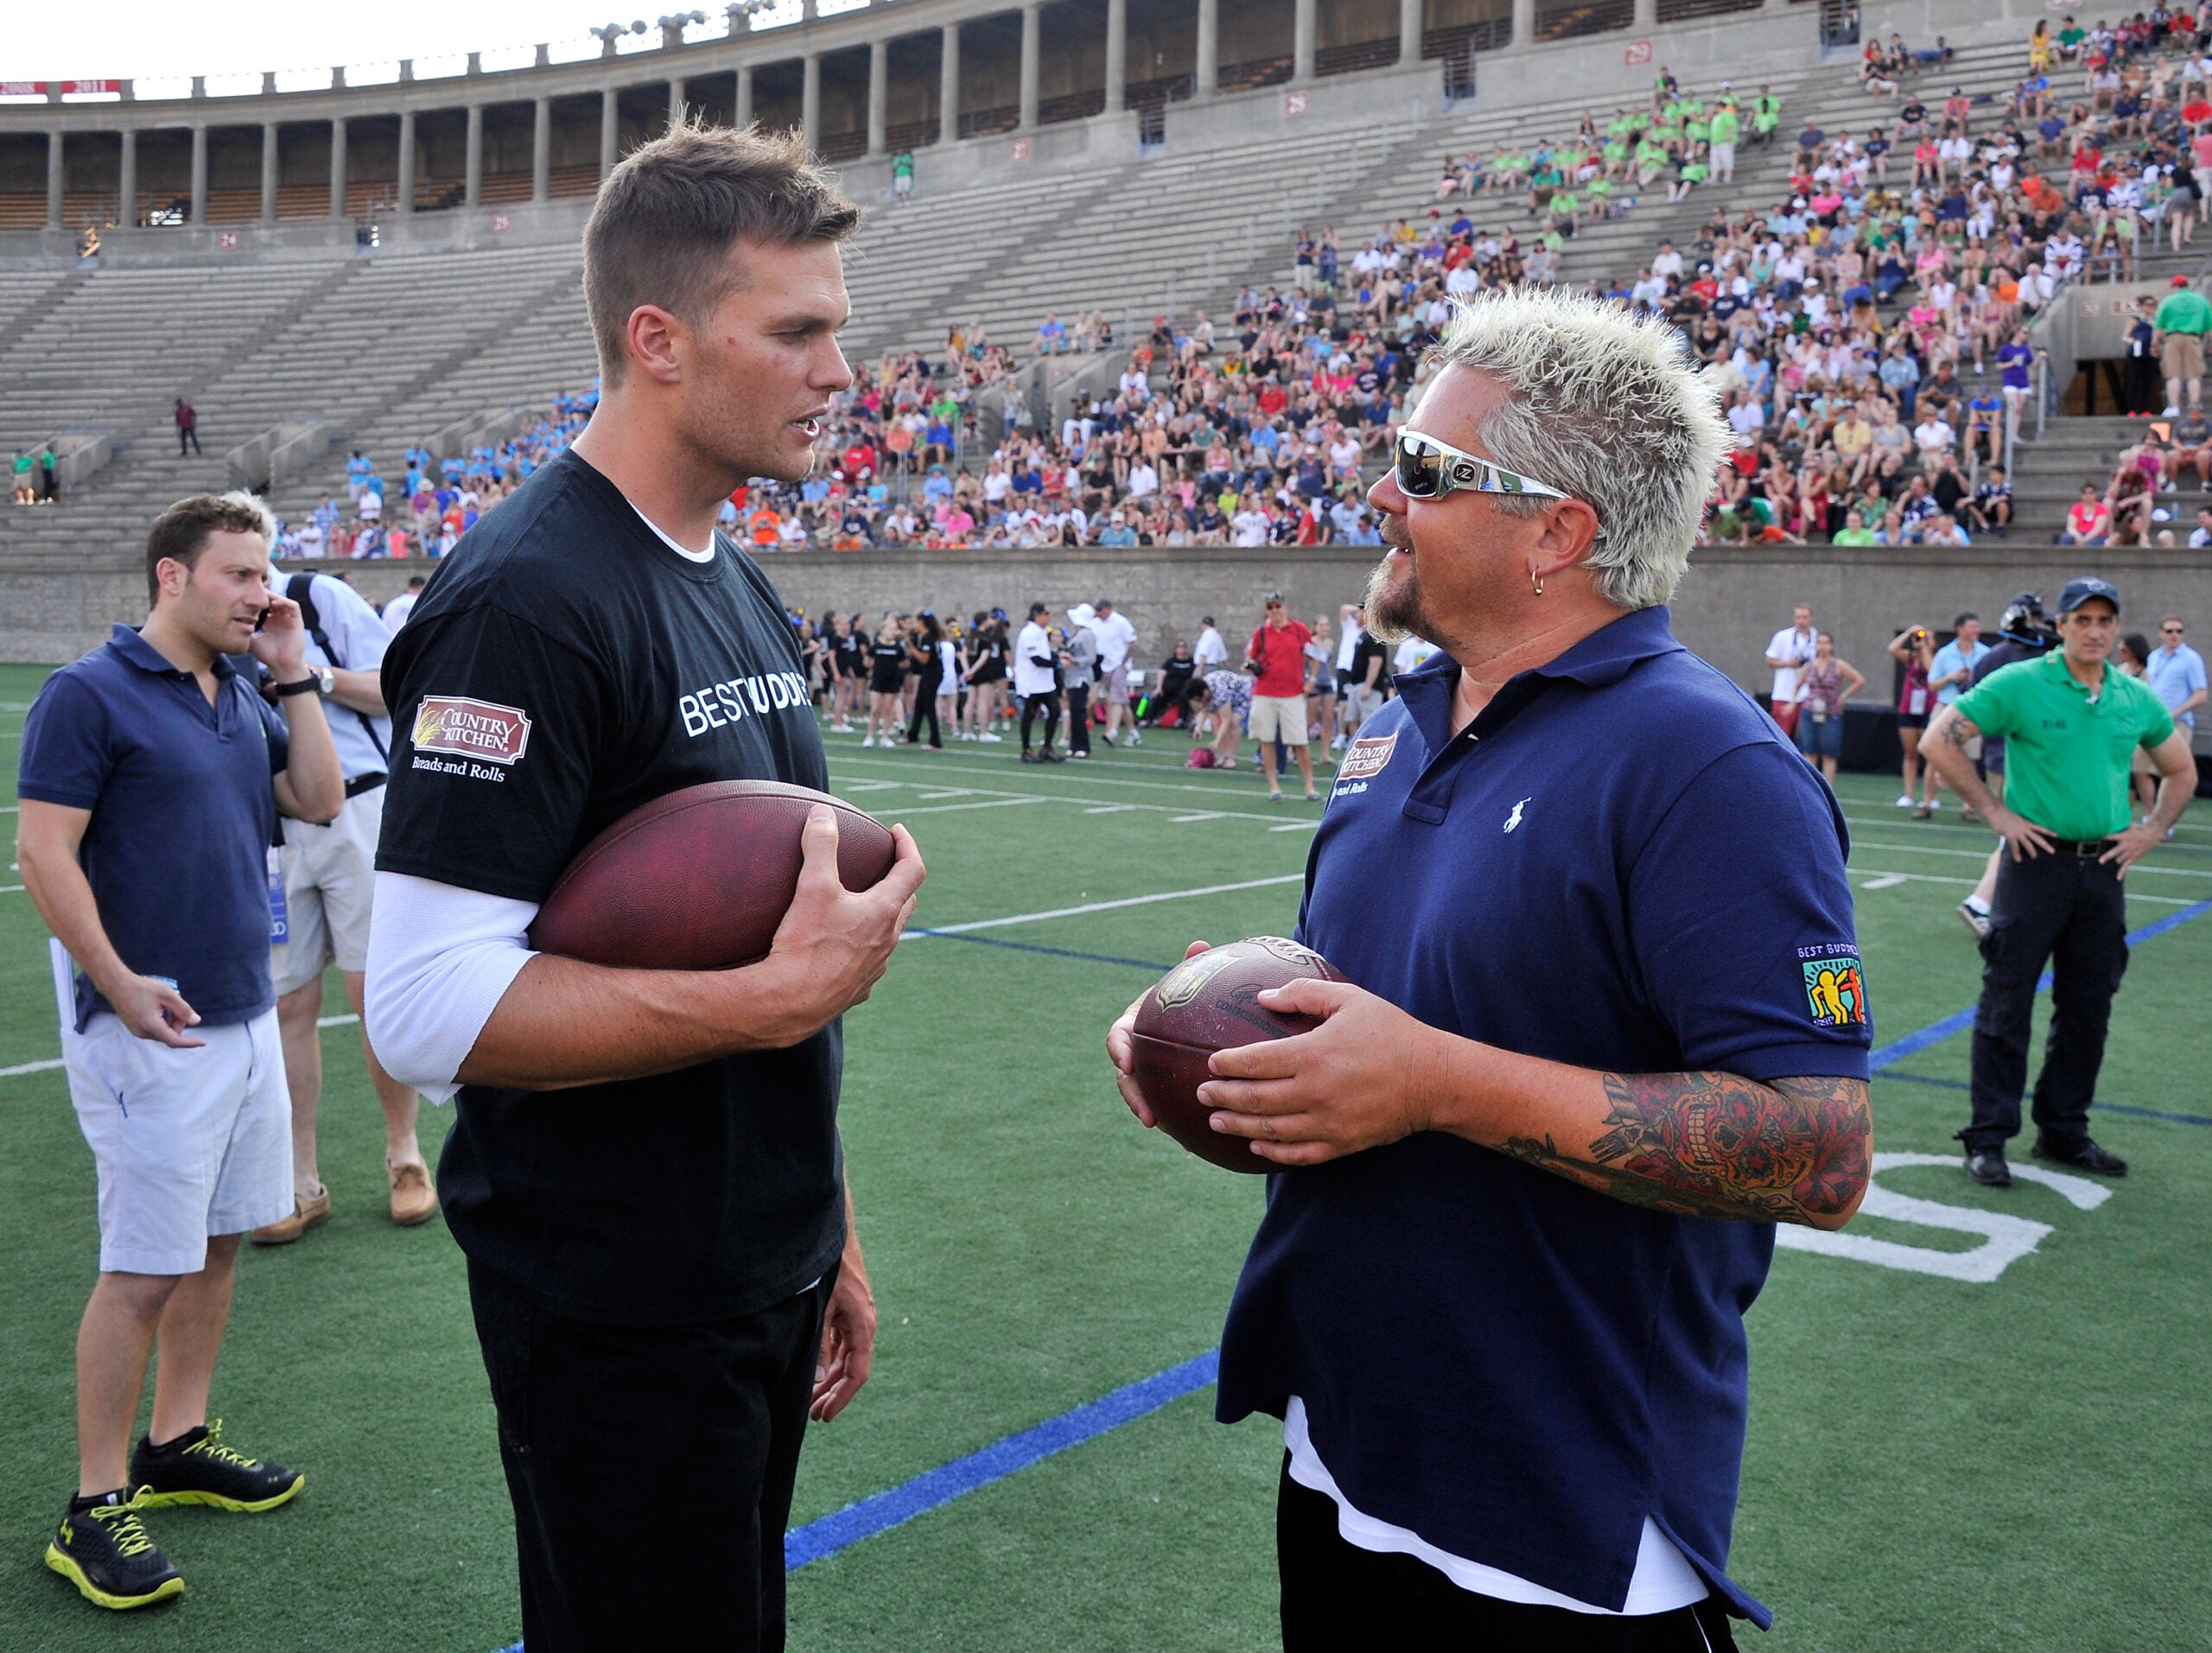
x=1031, y=757
x=993, y=738
x=1136, y=737
x=1977, y=918
x=101, y=1547
x=869, y=742
x=198, y=1468
x=1107, y=735
x=1050, y=756
x=1906, y=802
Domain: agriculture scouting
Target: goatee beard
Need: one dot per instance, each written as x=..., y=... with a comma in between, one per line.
x=1393, y=610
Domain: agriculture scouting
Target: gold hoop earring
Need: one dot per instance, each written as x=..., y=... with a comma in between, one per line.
x=1536, y=579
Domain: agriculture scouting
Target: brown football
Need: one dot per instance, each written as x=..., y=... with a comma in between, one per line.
x=1208, y=1003
x=700, y=879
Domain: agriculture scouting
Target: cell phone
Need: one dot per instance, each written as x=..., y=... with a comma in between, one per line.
x=261, y=620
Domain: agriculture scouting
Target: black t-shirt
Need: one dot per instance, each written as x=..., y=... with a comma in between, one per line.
x=889, y=667
x=564, y=668
x=851, y=652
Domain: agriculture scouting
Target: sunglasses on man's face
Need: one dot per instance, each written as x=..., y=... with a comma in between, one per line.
x=1429, y=469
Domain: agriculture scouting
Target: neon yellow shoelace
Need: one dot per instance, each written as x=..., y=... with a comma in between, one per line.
x=124, y=1530
x=210, y=1445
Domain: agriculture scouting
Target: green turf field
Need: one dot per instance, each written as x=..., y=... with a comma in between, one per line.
x=1935, y=1464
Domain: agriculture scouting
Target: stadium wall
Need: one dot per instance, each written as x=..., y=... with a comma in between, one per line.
x=1731, y=603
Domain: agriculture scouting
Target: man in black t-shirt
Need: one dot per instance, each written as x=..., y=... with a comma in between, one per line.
x=645, y=1172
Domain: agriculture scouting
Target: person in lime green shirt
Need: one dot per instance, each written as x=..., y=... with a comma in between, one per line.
x=1727, y=126
x=1564, y=208
x=2178, y=334
x=1767, y=115
x=2071, y=727
x=1854, y=532
x=26, y=489
x=1600, y=191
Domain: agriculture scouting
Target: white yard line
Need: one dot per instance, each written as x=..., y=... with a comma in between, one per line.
x=54, y=1062
x=1095, y=778
x=1983, y=854
x=893, y=812
x=1176, y=812
x=1106, y=906
x=1882, y=880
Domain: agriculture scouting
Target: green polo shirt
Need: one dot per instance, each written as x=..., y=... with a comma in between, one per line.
x=2185, y=311
x=2066, y=756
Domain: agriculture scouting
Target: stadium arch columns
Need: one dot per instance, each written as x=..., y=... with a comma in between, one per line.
x=2006, y=1239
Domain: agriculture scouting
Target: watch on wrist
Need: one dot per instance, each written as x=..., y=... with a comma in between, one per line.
x=320, y=680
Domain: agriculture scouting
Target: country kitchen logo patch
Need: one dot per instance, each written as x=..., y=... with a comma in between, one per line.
x=471, y=728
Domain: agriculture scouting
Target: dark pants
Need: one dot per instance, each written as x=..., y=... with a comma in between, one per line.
x=2144, y=391
x=1336, y=1595
x=650, y=1468
x=187, y=434
x=2065, y=909
x=1049, y=705
x=1079, y=717
x=925, y=706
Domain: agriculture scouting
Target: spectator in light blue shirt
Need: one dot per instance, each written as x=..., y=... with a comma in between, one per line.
x=1951, y=673
x=2175, y=673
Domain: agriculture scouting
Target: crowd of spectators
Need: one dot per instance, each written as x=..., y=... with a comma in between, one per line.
x=435, y=499
x=1866, y=329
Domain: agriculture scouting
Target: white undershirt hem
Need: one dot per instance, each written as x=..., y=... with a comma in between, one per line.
x=1663, y=1580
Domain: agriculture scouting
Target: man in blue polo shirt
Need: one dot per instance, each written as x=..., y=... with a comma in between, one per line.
x=150, y=780
x=1597, y=1039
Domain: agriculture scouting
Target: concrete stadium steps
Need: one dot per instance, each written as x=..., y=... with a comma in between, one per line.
x=395, y=347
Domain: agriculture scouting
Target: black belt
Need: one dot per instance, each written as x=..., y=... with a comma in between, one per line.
x=367, y=783
x=2086, y=849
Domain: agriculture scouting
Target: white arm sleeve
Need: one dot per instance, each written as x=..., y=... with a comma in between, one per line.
x=439, y=959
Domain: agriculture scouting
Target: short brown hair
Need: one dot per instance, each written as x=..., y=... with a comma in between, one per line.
x=180, y=533
x=662, y=228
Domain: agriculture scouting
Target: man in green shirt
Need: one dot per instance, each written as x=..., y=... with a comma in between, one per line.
x=2070, y=728
x=1728, y=125
x=2178, y=334
x=1767, y=115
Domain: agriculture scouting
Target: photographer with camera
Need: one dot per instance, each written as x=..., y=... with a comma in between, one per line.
x=1916, y=647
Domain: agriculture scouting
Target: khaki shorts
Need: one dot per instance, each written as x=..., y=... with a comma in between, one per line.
x=330, y=874
x=1283, y=715
x=2182, y=356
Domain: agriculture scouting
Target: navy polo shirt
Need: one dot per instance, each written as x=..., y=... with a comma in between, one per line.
x=182, y=810
x=1621, y=865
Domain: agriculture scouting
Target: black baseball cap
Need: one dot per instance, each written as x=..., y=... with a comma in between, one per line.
x=2079, y=591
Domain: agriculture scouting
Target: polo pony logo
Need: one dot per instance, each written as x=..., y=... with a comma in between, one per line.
x=1514, y=819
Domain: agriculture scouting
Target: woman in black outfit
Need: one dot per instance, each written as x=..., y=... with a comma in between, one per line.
x=926, y=663
x=985, y=678
x=886, y=671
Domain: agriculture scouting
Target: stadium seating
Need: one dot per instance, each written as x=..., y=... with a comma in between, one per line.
x=392, y=348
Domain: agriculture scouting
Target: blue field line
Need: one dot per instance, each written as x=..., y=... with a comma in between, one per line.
x=1959, y=1020
x=1051, y=952
x=933, y=1489
x=2103, y=1107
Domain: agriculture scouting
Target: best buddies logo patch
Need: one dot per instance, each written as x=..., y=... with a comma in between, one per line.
x=1835, y=988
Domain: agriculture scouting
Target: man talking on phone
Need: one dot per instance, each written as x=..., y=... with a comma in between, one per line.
x=152, y=774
